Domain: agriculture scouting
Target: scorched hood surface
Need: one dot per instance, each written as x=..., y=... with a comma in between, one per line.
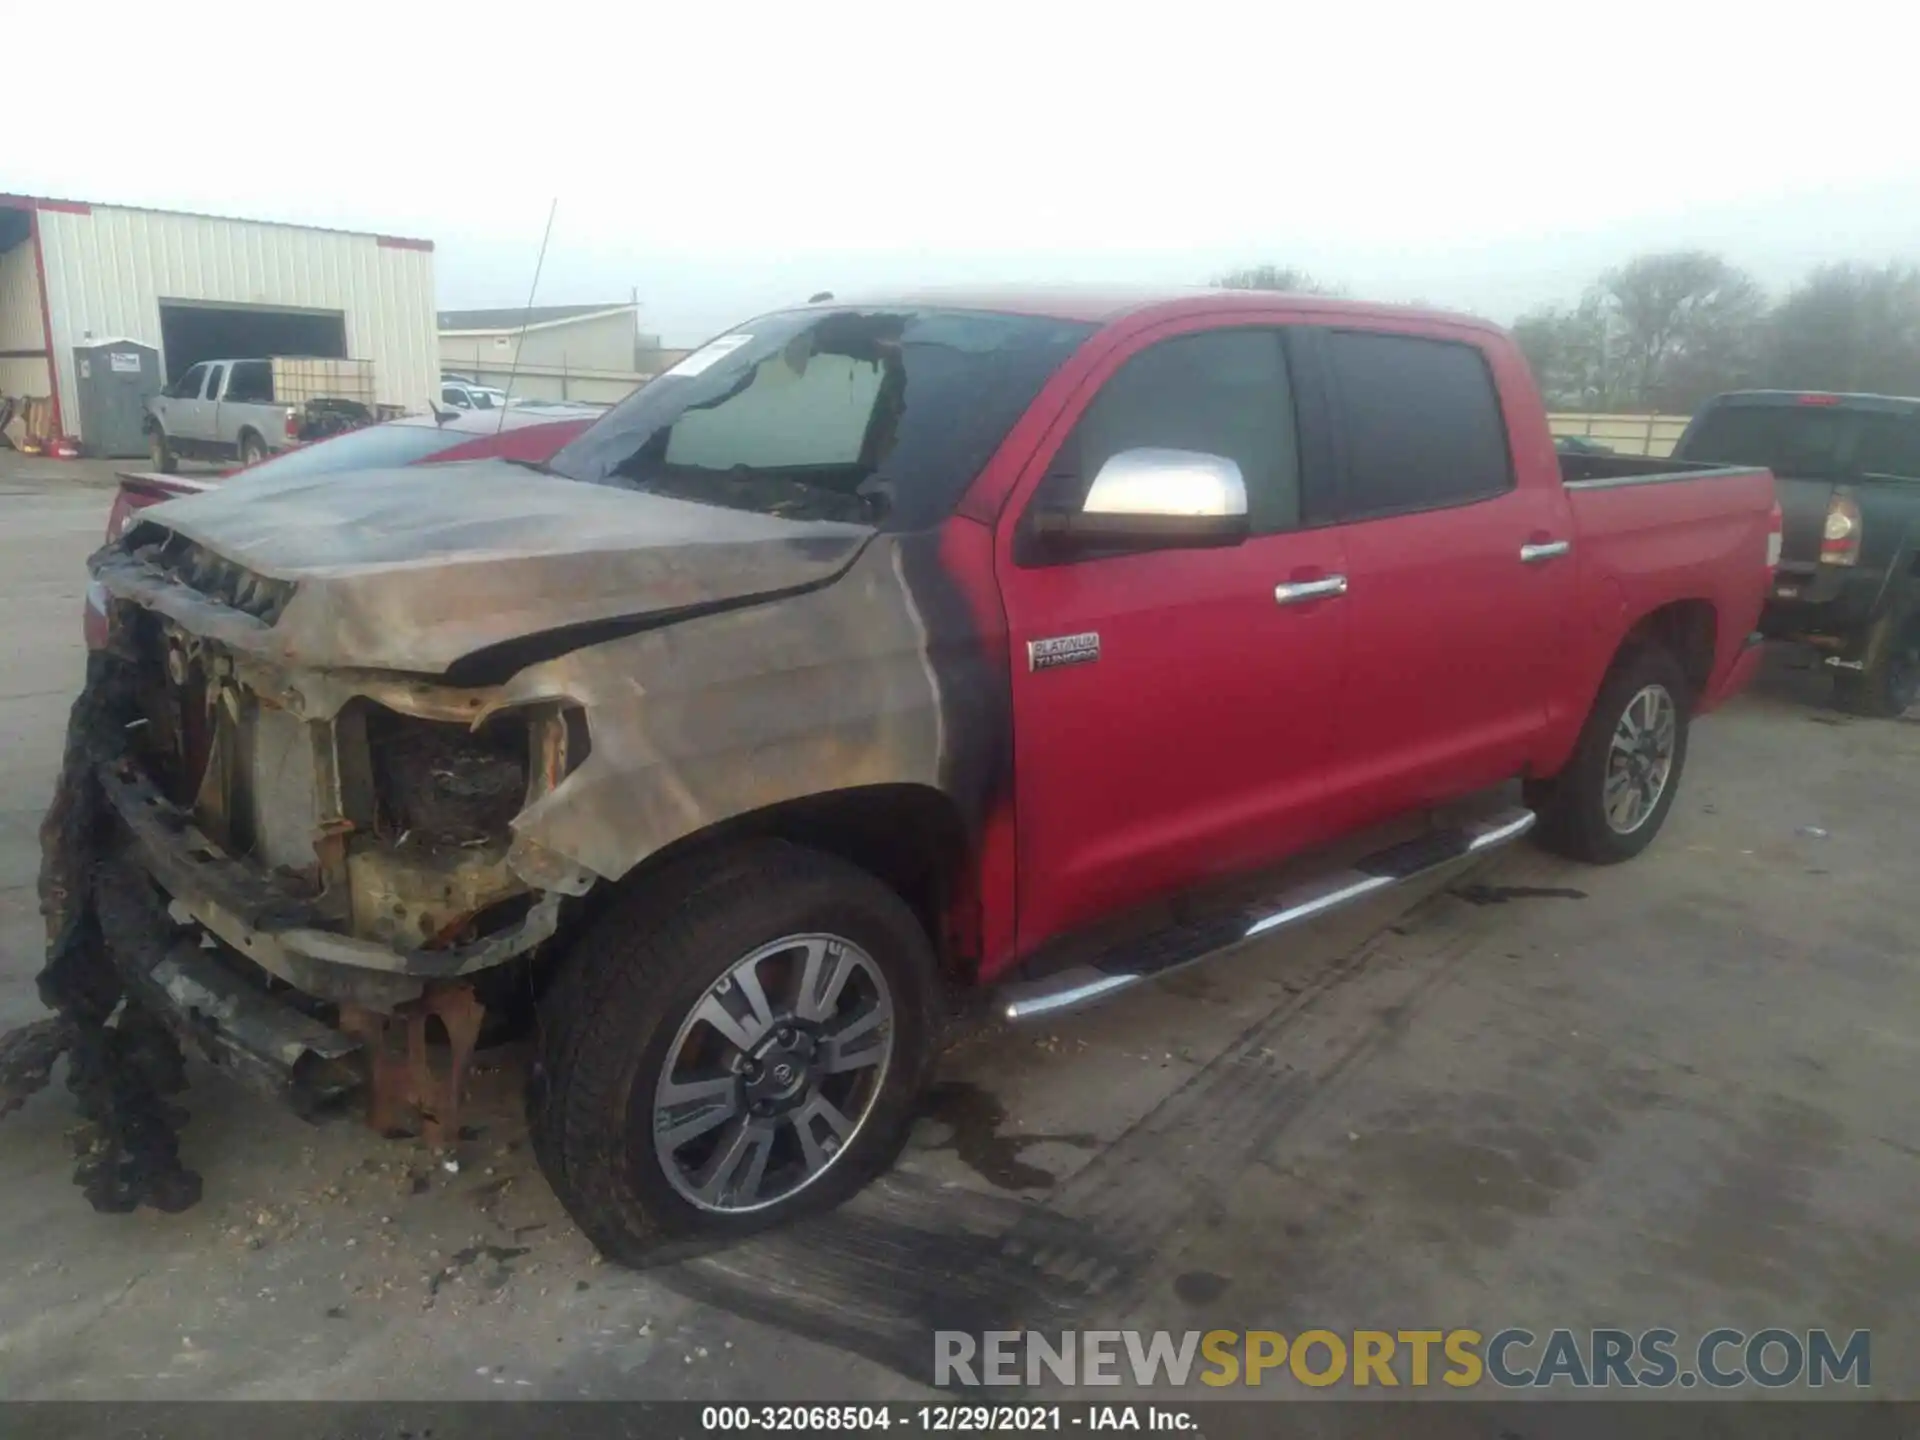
x=414, y=569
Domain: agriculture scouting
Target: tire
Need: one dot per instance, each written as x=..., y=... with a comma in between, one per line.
x=1573, y=806
x=160, y=453
x=619, y=1024
x=1890, y=684
x=252, y=448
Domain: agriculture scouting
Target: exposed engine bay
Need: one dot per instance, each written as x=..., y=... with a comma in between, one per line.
x=214, y=819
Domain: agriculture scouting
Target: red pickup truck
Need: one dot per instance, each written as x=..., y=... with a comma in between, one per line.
x=873, y=654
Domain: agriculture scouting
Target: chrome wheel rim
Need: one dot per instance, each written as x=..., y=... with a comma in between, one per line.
x=1640, y=759
x=773, y=1074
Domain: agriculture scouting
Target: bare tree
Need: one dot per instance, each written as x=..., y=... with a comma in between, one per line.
x=1572, y=355
x=1685, y=324
x=1273, y=277
x=1850, y=327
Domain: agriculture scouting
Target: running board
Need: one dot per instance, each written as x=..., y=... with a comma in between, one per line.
x=1187, y=944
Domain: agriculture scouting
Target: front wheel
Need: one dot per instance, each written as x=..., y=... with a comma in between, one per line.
x=744, y=1049
x=1615, y=793
x=159, y=453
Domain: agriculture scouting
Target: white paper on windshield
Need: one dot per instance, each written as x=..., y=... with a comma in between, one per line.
x=709, y=354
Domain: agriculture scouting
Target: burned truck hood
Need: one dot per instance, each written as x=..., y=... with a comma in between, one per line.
x=416, y=569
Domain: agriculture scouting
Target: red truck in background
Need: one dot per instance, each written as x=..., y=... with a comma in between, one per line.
x=872, y=652
x=530, y=434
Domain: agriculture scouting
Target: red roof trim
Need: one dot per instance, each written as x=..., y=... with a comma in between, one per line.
x=400, y=242
x=35, y=202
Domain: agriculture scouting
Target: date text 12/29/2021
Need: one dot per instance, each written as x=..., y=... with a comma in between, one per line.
x=942, y=1419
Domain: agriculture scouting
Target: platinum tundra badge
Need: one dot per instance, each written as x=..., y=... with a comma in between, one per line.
x=1063, y=650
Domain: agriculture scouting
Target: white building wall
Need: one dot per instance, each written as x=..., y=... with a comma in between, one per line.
x=109, y=269
x=20, y=327
x=587, y=359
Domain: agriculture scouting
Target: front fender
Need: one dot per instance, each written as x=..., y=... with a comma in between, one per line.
x=702, y=720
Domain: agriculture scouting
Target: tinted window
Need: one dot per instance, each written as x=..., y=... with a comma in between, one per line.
x=1813, y=441
x=454, y=395
x=1223, y=392
x=187, y=387
x=1423, y=426
x=252, y=382
x=1889, y=445
x=375, y=448
x=877, y=416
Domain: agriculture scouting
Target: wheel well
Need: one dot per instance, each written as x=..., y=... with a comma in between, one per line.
x=911, y=837
x=1687, y=630
x=246, y=430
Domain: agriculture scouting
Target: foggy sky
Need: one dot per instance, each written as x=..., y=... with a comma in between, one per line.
x=722, y=160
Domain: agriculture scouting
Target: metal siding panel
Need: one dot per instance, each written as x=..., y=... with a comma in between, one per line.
x=23, y=377
x=20, y=301
x=108, y=271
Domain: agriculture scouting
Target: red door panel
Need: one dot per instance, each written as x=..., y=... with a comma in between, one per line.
x=1455, y=642
x=1196, y=744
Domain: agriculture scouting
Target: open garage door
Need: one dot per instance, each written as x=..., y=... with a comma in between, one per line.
x=191, y=332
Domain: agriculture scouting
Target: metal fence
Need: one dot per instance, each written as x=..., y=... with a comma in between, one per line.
x=1628, y=434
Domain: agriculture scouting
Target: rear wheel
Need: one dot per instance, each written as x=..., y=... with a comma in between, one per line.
x=252, y=449
x=1890, y=684
x=733, y=1055
x=159, y=453
x=1616, y=791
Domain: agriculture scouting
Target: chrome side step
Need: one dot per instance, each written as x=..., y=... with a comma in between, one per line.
x=1078, y=986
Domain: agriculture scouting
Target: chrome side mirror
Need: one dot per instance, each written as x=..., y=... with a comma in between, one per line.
x=1154, y=499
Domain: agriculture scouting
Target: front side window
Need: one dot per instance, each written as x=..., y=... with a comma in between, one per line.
x=878, y=417
x=455, y=396
x=187, y=387
x=1219, y=392
x=1422, y=423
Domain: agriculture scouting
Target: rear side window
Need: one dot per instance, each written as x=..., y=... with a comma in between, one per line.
x=1423, y=425
x=252, y=381
x=1221, y=392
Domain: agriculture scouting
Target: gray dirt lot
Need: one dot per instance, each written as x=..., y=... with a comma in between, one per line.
x=1677, y=1092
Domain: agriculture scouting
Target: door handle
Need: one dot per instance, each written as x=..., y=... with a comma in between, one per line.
x=1532, y=554
x=1298, y=592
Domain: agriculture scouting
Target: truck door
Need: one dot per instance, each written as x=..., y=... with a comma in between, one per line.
x=1190, y=737
x=179, y=401
x=203, y=415
x=1460, y=579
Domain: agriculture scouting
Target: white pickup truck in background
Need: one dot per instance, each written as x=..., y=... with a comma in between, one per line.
x=246, y=410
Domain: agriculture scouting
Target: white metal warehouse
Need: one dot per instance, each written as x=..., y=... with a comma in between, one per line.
x=200, y=287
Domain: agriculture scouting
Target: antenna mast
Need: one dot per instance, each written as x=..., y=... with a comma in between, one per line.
x=526, y=318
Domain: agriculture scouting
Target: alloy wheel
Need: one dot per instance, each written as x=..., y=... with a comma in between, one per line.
x=773, y=1073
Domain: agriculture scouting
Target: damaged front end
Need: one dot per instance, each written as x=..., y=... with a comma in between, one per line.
x=293, y=871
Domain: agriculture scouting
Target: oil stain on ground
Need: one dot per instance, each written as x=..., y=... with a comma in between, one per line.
x=976, y=1118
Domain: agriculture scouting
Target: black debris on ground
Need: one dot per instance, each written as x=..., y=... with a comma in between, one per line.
x=123, y=1064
